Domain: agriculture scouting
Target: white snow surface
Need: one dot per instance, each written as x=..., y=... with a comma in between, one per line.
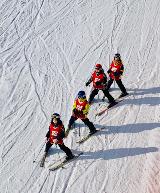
x=48, y=49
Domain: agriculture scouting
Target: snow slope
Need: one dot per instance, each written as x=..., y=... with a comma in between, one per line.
x=47, y=51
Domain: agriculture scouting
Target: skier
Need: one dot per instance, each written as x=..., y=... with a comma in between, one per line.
x=99, y=80
x=55, y=135
x=115, y=72
x=80, y=111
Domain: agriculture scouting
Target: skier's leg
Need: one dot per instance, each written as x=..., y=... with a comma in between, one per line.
x=89, y=124
x=109, y=83
x=71, y=121
x=48, y=145
x=121, y=86
x=66, y=150
x=92, y=95
x=110, y=98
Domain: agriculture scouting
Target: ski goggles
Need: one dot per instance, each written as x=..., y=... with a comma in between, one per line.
x=82, y=97
x=98, y=69
x=117, y=58
x=55, y=116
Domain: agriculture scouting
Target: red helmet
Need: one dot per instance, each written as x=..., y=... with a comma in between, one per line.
x=98, y=66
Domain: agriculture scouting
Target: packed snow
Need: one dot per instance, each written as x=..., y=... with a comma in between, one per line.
x=48, y=50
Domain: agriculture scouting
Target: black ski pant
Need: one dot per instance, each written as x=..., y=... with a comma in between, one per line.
x=119, y=83
x=85, y=121
x=106, y=94
x=62, y=147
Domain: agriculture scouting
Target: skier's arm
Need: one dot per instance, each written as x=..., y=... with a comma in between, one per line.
x=48, y=134
x=61, y=134
x=75, y=110
x=74, y=107
x=89, y=81
x=109, y=70
x=85, y=111
x=105, y=79
x=122, y=70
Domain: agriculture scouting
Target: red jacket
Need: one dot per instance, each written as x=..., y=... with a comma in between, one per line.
x=56, y=132
x=80, y=109
x=116, y=70
x=99, y=81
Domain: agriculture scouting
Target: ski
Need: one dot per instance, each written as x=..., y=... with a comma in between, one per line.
x=118, y=99
x=107, y=108
x=43, y=160
x=61, y=164
x=57, y=161
x=88, y=136
x=84, y=138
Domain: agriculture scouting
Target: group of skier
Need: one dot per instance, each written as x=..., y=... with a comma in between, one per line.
x=57, y=132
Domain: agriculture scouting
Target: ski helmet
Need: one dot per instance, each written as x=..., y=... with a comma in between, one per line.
x=55, y=116
x=118, y=56
x=81, y=94
x=98, y=66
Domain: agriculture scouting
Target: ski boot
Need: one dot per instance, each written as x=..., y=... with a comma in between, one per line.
x=69, y=157
x=123, y=95
x=92, y=132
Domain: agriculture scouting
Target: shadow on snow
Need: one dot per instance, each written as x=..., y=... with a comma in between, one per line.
x=128, y=128
x=118, y=153
x=152, y=101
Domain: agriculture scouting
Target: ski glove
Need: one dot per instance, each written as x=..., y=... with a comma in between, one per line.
x=46, y=139
x=67, y=132
x=116, y=73
x=60, y=136
x=98, y=83
x=87, y=83
x=75, y=111
x=55, y=141
x=109, y=71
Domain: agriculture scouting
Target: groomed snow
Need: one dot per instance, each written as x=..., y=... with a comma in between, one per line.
x=48, y=49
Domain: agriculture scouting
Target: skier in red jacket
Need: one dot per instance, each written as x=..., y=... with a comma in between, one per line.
x=80, y=111
x=115, y=72
x=99, y=80
x=55, y=135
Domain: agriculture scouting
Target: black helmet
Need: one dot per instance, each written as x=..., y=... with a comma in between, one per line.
x=55, y=116
x=81, y=94
x=117, y=56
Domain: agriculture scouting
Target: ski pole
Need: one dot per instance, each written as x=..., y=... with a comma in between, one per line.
x=79, y=132
x=35, y=159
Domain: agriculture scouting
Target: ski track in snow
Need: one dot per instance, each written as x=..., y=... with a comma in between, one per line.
x=48, y=50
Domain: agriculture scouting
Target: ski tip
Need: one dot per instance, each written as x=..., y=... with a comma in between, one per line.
x=51, y=169
x=76, y=155
x=61, y=165
x=99, y=114
x=112, y=105
x=123, y=96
